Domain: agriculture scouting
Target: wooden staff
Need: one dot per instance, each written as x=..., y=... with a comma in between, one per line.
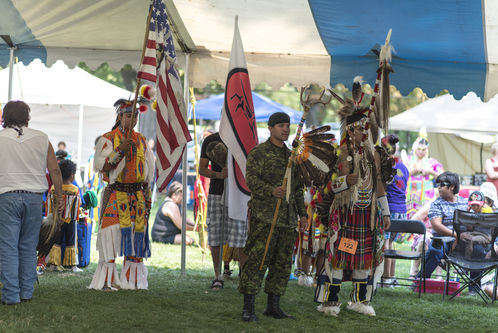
x=307, y=104
x=139, y=80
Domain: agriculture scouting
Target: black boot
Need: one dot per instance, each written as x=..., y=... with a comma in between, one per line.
x=248, y=313
x=273, y=308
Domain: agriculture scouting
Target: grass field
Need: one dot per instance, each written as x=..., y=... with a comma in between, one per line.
x=176, y=303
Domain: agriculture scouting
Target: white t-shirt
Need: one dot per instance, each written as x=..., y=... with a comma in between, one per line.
x=23, y=160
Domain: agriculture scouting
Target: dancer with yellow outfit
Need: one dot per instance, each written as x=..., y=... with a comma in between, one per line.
x=127, y=165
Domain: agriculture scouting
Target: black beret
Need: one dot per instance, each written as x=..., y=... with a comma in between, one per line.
x=277, y=118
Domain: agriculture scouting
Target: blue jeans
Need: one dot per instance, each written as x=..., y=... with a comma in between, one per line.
x=394, y=216
x=20, y=221
x=433, y=257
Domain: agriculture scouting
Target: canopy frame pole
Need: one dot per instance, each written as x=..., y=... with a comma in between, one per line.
x=80, y=136
x=184, y=172
x=12, y=47
x=11, y=71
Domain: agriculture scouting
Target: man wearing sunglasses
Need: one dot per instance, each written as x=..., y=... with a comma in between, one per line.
x=441, y=217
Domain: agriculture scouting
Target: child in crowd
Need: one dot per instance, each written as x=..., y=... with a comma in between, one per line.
x=71, y=203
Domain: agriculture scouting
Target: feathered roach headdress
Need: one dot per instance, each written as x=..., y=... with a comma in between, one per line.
x=126, y=106
x=123, y=106
x=352, y=114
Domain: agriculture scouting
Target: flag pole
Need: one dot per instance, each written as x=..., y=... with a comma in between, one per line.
x=185, y=176
x=139, y=80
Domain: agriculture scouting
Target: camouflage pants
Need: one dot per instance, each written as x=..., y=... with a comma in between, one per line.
x=278, y=260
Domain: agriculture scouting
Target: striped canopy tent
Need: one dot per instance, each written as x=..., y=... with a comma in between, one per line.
x=447, y=44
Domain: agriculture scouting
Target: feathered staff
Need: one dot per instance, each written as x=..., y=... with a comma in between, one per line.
x=311, y=96
x=383, y=71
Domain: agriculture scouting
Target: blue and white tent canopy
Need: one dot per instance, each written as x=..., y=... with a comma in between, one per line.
x=445, y=44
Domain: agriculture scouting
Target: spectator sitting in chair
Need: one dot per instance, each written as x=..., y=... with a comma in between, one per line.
x=168, y=223
x=441, y=217
x=475, y=240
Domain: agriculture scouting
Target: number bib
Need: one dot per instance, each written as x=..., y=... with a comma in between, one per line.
x=348, y=245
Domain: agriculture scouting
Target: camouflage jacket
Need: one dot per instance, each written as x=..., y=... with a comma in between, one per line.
x=265, y=170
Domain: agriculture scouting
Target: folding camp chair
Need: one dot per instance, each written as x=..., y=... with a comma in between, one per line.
x=411, y=227
x=473, y=251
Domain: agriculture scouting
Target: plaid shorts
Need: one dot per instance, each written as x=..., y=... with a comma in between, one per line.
x=235, y=230
x=237, y=233
x=215, y=219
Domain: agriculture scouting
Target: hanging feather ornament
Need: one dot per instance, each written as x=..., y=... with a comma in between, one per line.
x=316, y=156
x=217, y=152
x=356, y=91
x=384, y=93
x=50, y=232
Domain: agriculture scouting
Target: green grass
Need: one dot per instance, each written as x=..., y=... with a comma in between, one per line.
x=176, y=303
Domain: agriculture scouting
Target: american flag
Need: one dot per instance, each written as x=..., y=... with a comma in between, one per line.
x=158, y=66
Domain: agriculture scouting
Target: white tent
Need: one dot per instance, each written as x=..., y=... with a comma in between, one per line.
x=69, y=105
x=460, y=132
x=444, y=114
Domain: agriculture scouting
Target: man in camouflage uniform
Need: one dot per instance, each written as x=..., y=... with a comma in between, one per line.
x=266, y=165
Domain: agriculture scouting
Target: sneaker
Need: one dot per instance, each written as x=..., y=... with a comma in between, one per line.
x=472, y=293
x=39, y=270
x=51, y=268
x=363, y=308
x=227, y=273
x=59, y=268
x=217, y=284
x=387, y=283
x=330, y=308
x=76, y=269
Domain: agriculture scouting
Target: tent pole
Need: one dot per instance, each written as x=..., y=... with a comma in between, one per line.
x=480, y=153
x=80, y=136
x=184, y=172
x=11, y=71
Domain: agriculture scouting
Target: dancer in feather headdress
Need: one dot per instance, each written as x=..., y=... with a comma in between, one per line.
x=360, y=211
